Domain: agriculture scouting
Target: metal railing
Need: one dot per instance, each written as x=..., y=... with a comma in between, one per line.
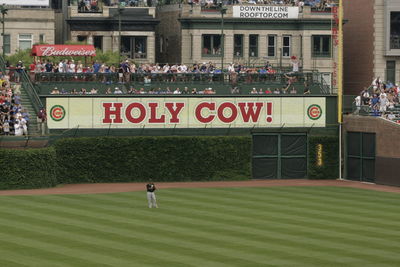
x=25, y=83
x=97, y=6
x=147, y=78
x=30, y=90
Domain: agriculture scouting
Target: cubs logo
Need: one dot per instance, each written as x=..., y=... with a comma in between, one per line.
x=57, y=113
x=314, y=112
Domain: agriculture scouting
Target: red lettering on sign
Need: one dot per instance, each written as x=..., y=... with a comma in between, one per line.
x=153, y=114
x=174, y=111
x=142, y=112
x=221, y=115
x=247, y=110
x=116, y=113
x=269, y=112
x=199, y=108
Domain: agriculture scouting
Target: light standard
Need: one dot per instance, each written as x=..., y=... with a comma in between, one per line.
x=3, y=11
x=121, y=7
x=222, y=9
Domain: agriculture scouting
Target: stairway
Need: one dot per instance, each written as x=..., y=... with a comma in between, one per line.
x=27, y=104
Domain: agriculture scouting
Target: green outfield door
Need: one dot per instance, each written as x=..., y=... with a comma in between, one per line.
x=360, y=162
x=279, y=156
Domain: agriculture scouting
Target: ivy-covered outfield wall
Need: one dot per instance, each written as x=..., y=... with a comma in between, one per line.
x=323, y=157
x=32, y=168
x=134, y=159
x=113, y=159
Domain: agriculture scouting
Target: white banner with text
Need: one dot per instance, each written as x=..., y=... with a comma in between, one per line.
x=266, y=12
x=25, y=2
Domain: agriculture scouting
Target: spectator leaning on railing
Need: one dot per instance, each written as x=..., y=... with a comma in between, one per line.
x=382, y=101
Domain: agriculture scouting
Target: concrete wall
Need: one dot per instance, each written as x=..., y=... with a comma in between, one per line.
x=387, y=145
x=168, y=35
x=195, y=24
x=33, y=21
x=111, y=39
x=300, y=47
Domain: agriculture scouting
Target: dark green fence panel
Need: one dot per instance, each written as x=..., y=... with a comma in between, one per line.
x=279, y=156
x=360, y=160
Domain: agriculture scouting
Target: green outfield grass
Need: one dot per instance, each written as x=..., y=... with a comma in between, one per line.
x=285, y=226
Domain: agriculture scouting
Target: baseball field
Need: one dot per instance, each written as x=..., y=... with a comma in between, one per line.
x=221, y=226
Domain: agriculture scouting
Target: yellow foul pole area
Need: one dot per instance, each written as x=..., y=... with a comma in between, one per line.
x=340, y=63
x=340, y=80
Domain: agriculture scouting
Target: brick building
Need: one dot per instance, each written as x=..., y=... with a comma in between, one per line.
x=371, y=43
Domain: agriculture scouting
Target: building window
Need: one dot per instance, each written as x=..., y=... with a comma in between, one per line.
x=238, y=45
x=25, y=41
x=211, y=45
x=140, y=47
x=286, y=46
x=41, y=38
x=134, y=46
x=161, y=43
x=391, y=71
x=253, y=45
x=7, y=44
x=82, y=39
x=191, y=46
x=98, y=42
x=321, y=45
x=395, y=30
x=271, y=45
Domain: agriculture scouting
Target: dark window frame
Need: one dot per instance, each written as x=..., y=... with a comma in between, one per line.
x=271, y=46
x=394, y=34
x=213, y=40
x=322, y=50
x=133, y=45
x=289, y=47
x=101, y=42
x=236, y=47
x=253, y=47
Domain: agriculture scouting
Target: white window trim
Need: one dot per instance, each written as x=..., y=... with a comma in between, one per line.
x=24, y=39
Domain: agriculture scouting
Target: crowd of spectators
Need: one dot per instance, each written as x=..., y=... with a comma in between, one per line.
x=42, y=71
x=288, y=89
x=96, y=5
x=380, y=99
x=137, y=91
x=14, y=118
x=68, y=70
x=89, y=5
x=319, y=4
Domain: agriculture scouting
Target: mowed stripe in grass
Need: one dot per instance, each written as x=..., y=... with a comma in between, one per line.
x=287, y=226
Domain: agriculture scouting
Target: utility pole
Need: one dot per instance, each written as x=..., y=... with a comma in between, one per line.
x=222, y=9
x=121, y=7
x=3, y=11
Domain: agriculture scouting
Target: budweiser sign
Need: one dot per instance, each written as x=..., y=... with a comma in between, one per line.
x=63, y=50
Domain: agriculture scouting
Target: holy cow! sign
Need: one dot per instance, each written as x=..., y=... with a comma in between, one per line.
x=179, y=112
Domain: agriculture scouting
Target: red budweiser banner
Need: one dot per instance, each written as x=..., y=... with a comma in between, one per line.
x=63, y=50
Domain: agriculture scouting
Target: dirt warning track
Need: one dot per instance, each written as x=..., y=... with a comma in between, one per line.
x=130, y=187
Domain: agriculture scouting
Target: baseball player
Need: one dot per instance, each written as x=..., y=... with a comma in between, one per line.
x=151, y=196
